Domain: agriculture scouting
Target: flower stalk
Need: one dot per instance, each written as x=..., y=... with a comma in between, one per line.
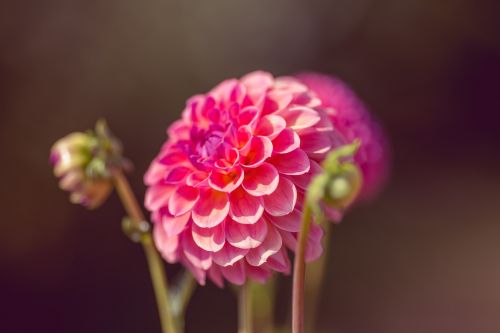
x=156, y=269
x=299, y=271
x=245, y=309
x=337, y=187
x=314, y=283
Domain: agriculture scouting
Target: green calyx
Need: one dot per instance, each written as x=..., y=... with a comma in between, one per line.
x=340, y=182
x=105, y=152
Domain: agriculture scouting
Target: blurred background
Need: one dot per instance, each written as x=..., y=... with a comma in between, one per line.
x=423, y=257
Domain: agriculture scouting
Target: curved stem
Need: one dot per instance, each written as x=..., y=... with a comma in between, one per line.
x=245, y=309
x=299, y=271
x=155, y=264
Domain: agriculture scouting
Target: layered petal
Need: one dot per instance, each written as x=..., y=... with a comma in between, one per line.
x=158, y=196
x=271, y=245
x=182, y=200
x=235, y=273
x=287, y=141
x=228, y=255
x=246, y=236
x=282, y=201
x=293, y=163
x=290, y=222
x=244, y=207
x=261, y=180
x=174, y=225
x=270, y=126
x=209, y=239
x=211, y=208
x=226, y=180
x=197, y=256
x=300, y=117
x=256, y=152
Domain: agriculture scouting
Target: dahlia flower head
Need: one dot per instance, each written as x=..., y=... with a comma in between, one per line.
x=226, y=190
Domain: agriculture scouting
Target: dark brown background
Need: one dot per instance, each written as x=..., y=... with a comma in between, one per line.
x=424, y=257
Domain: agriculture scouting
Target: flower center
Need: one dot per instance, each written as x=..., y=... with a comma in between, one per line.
x=207, y=147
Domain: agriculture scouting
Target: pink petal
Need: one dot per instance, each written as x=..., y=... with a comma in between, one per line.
x=228, y=255
x=231, y=157
x=244, y=207
x=276, y=100
x=302, y=181
x=316, y=142
x=314, y=249
x=179, y=130
x=211, y=208
x=226, y=180
x=286, y=141
x=177, y=175
x=270, y=126
x=238, y=94
x=334, y=215
x=215, y=274
x=293, y=163
x=279, y=262
x=324, y=124
x=223, y=90
x=199, y=274
x=183, y=200
x=167, y=246
x=262, y=180
x=290, y=84
x=209, y=239
x=172, y=158
x=196, y=255
x=256, y=152
x=271, y=245
x=289, y=239
x=201, y=107
x=282, y=201
x=257, y=83
x=235, y=273
x=154, y=174
x=243, y=136
x=246, y=236
x=260, y=274
x=157, y=196
x=248, y=116
x=197, y=178
x=174, y=225
x=300, y=117
x=290, y=222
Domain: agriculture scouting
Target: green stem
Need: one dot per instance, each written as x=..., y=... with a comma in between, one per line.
x=245, y=309
x=314, y=283
x=263, y=303
x=155, y=264
x=299, y=270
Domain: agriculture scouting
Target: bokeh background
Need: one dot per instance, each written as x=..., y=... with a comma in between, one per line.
x=423, y=257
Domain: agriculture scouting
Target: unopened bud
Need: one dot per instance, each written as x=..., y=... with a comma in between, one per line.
x=340, y=182
x=83, y=162
x=344, y=186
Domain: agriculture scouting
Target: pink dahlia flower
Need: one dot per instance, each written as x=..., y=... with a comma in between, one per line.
x=350, y=118
x=227, y=187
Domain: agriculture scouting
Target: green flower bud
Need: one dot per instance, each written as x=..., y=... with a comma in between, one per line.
x=340, y=182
